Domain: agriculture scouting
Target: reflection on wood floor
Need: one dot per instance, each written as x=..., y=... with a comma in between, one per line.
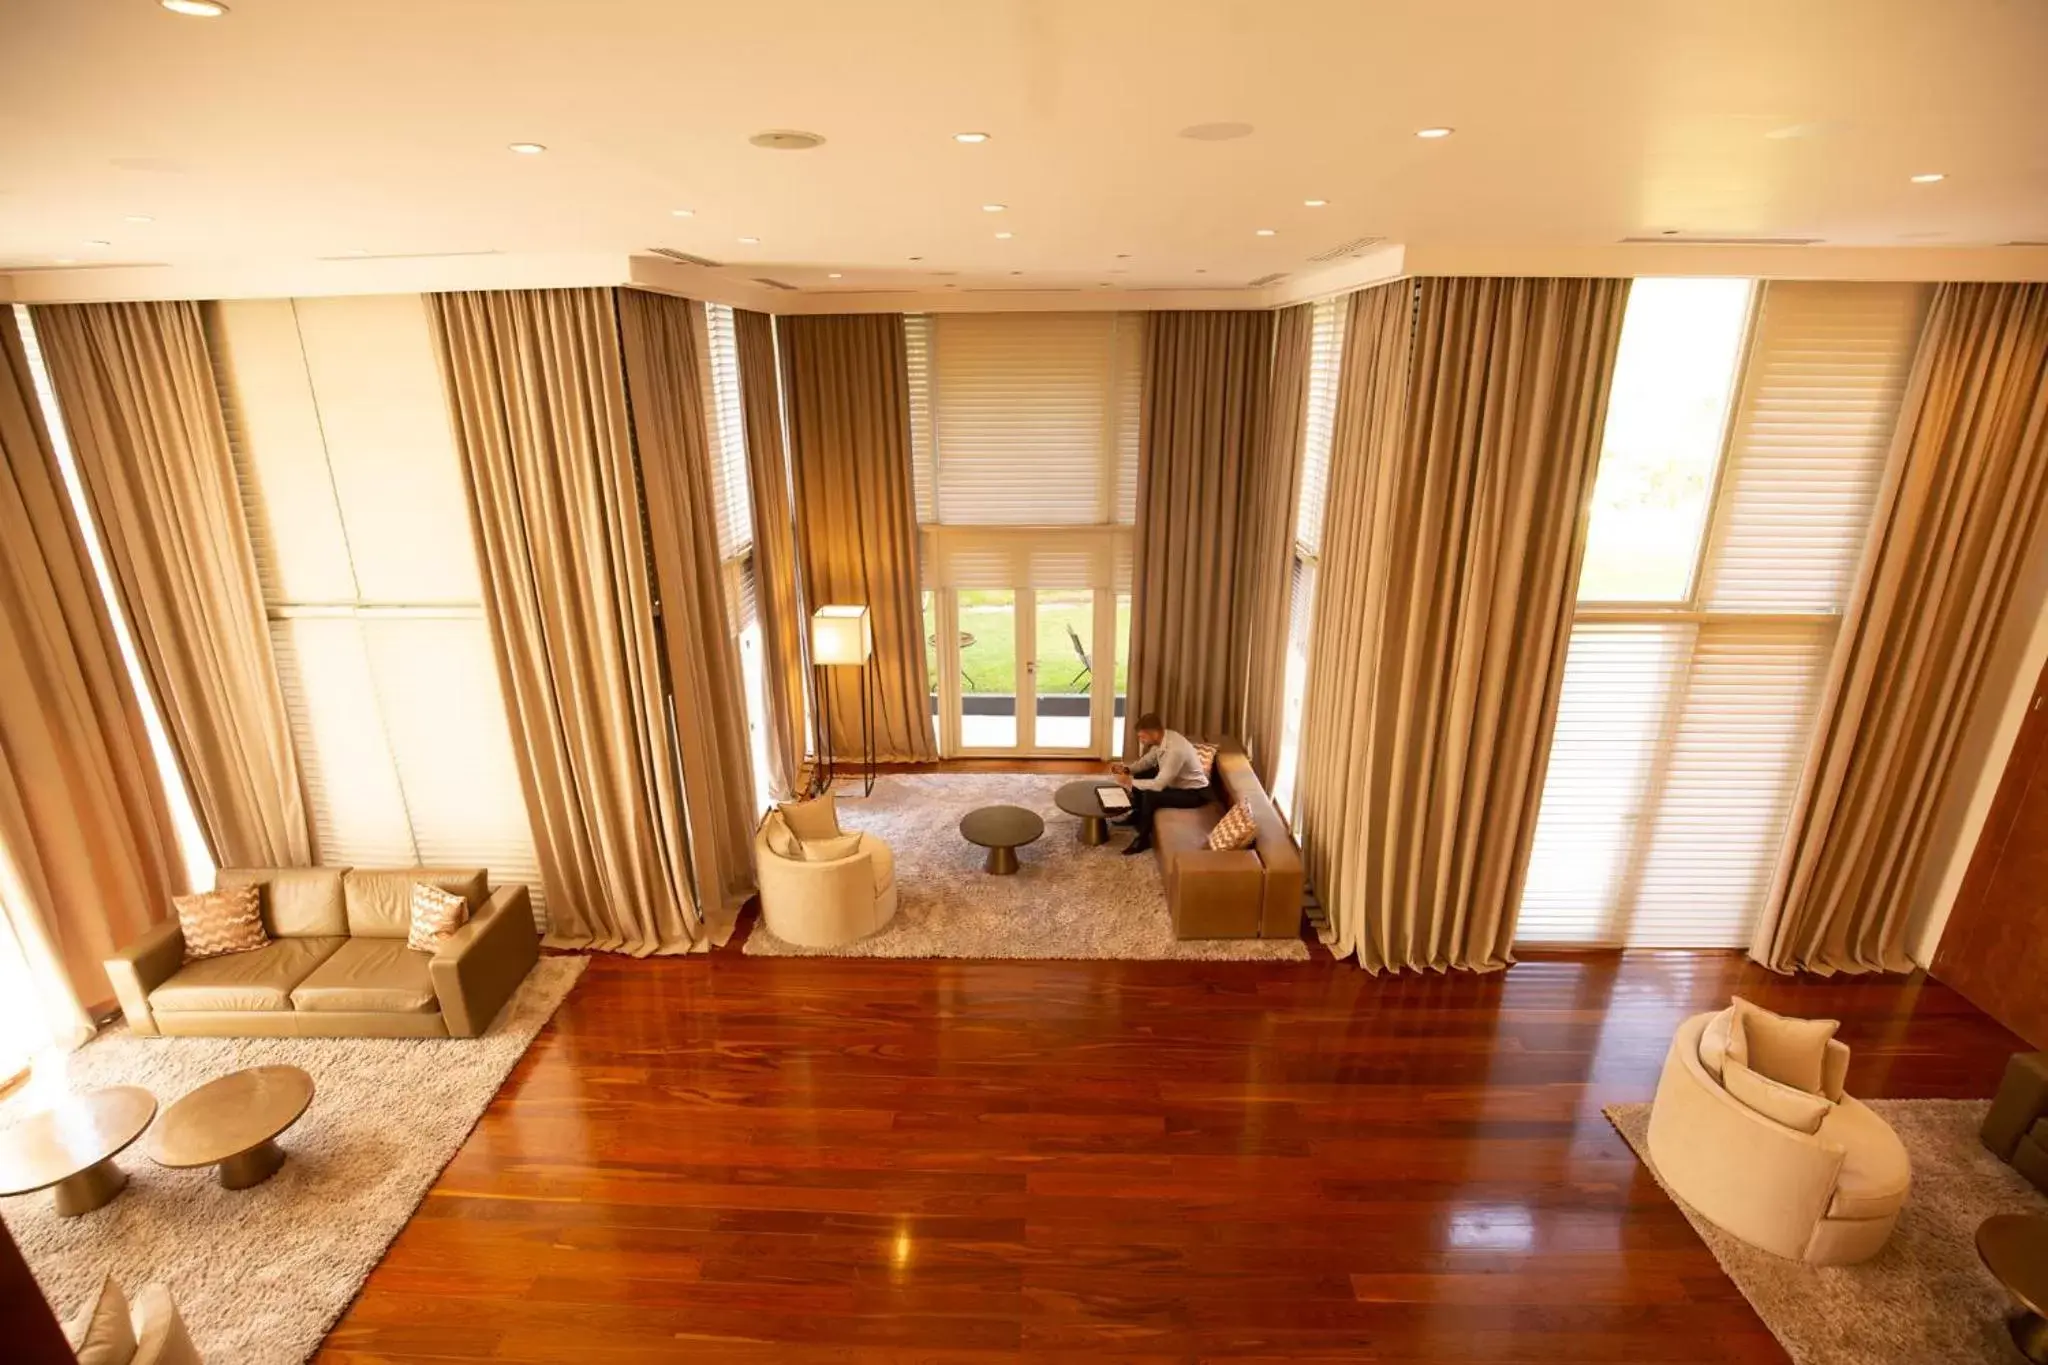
x=755, y=1159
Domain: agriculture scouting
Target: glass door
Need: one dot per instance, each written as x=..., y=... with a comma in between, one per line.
x=1026, y=671
x=986, y=658
x=1063, y=707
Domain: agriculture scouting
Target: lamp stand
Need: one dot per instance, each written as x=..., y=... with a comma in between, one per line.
x=826, y=771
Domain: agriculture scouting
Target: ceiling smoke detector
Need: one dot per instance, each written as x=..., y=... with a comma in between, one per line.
x=787, y=140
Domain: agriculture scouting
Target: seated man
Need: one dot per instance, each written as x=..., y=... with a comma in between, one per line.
x=1168, y=773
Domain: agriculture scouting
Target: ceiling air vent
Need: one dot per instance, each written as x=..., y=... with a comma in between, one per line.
x=685, y=258
x=1348, y=251
x=1262, y=281
x=775, y=284
x=411, y=256
x=2039, y=241
x=79, y=267
x=1664, y=240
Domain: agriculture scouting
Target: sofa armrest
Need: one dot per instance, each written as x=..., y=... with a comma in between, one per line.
x=2022, y=1098
x=1215, y=893
x=479, y=966
x=141, y=967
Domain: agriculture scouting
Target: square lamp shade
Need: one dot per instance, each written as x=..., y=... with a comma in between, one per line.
x=841, y=635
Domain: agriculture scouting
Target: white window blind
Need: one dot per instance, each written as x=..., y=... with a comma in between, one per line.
x=356, y=506
x=726, y=426
x=1024, y=419
x=1683, y=726
x=1326, y=359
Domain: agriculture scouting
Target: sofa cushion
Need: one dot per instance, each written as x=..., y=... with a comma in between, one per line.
x=1776, y=1101
x=261, y=980
x=781, y=841
x=831, y=850
x=1790, y=1051
x=214, y=923
x=298, y=902
x=380, y=902
x=373, y=976
x=1177, y=829
x=816, y=818
x=435, y=915
x=1876, y=1173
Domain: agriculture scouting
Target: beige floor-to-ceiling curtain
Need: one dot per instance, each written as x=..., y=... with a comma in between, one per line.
x=87, y=852
x=537, y=396
x=846, y=392
x=1963, y=498
x=664, y=392
x=1266, y=530
x=1462, y=464
x=778, y=595
x=136, y=388
x=1203, y=419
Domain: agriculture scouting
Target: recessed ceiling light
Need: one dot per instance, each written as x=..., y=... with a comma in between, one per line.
x=1315, y=203
x=98, y=241
x=198, y=9
x=527, y=148
x=917, y=258
x=1123, y=255
x=750, y=241
x=1928, y=177
x=970, y=137
x=682, y=213
x=1201, y=270
x=137, y=218
x=834, y=275
x=1264, y=232
x=1434, y=132
x=993, y=208
x=1016, y=272
x=1004, y=236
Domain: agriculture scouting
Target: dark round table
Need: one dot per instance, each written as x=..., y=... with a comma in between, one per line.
x=2014, y=1247
x=1001, y=830
x=1083, y=799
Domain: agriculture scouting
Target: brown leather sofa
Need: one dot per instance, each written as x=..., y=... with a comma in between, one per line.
x=1243, y=893
x=337, y=965
x=2016, y=1129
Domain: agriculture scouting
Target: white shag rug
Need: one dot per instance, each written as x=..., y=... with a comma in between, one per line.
x=1926, y=1299
x=260, y=1275
x=1067, y=901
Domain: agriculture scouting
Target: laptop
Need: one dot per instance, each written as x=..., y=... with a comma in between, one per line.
x=1113, y=798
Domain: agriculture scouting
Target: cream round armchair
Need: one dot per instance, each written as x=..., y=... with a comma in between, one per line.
x=1829, y=1197
x=822, y=904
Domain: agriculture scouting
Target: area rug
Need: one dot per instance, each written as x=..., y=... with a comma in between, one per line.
x=261, y=1274
x=1925, y=1299
x=1067, y=901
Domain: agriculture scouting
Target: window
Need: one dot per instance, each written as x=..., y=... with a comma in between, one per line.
x=1738, y=472
x=726, y=433
x=1326, y=361
x=360, y=526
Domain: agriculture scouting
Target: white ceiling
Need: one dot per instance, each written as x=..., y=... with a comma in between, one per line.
x=292, y=130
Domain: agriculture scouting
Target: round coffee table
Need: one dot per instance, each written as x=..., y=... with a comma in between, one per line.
x=234, y=1122
x=1001, y=830
x=1084, y=799
x=2014, y=1247
x=70, y=1150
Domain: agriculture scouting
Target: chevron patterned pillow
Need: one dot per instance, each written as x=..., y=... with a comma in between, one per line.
x=1237, y=829
x=1207, y=753
x=435, y=915
x=217, y=923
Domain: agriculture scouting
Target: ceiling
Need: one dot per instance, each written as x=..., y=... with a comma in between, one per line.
x=292, y=131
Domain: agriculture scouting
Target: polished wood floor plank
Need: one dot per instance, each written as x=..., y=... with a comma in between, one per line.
x=725, y=1158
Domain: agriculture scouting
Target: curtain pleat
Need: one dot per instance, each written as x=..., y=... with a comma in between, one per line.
x=137, y=391
x=1463, y=459
x=846, y=392
x=1961, y=503
x=1266, y=530
x=664, y=391
x=1203, y=421
x=87, y=852
x=537, y=397
x=778, y=596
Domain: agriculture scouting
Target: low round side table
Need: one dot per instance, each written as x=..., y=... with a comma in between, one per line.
x=233, y=1122
x=1084, y=799
x=1001, y=830
x=2014, y=1247
x=70, y=1149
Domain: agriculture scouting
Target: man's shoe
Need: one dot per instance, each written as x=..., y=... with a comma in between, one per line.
x=1125, y=820
x=1137, y=846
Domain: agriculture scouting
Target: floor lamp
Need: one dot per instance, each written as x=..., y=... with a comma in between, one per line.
x=842, y=637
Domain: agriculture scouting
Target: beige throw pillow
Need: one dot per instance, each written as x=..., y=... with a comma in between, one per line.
x=831, y=850
x=1714, y=1041
x=1790, y=1051
x=162, y=1338
x=435, y=915
x=216, y=923
x=1238, y=828
x=817, y=818
x=100, y=1333
x=1775, y=1101
x=781, y=842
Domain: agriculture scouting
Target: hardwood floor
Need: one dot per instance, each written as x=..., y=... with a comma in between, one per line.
x=753, y=1159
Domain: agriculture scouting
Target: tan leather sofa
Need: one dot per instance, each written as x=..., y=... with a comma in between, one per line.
x=1243, y=893
x=1828, y=1198
x=823, y=904
x=337, y=965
